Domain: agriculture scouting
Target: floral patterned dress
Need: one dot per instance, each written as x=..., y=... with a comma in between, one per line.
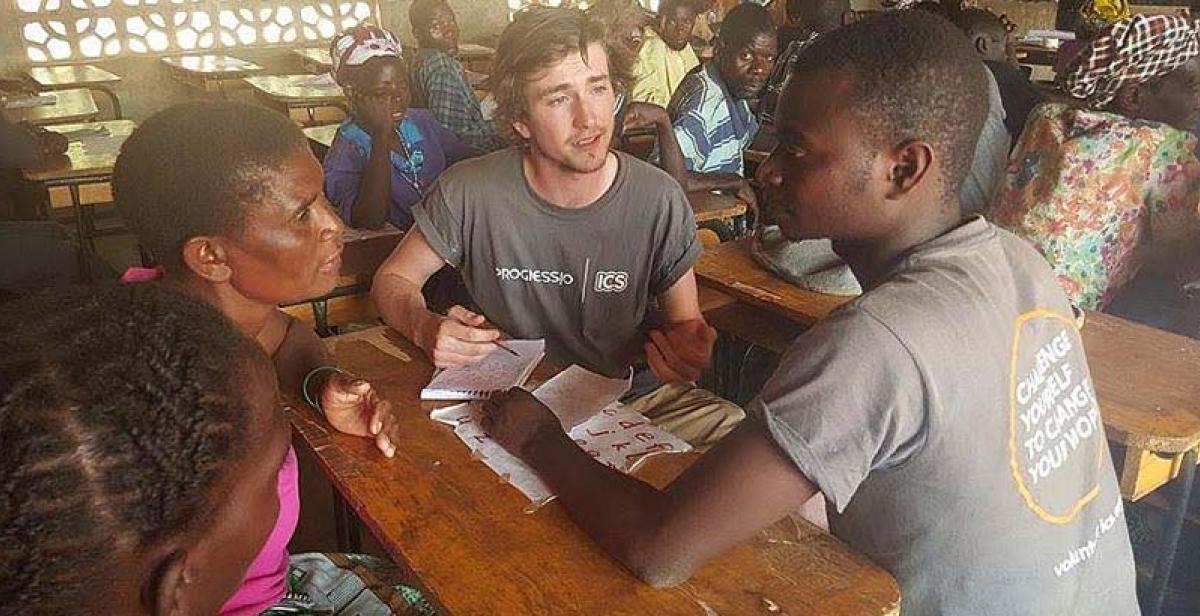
x=1096, y=193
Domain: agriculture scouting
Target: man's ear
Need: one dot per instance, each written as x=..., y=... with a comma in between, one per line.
x=522, y=129
x=909, y=165
x=207, y=258
x=981, y=44
x=164, y=590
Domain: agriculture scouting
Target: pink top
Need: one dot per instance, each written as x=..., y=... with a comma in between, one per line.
x=266, y=579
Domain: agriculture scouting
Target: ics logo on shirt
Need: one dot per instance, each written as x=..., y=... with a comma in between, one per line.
x=611, y=282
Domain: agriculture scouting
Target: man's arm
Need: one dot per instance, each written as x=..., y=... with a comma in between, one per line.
x=681, y=349
x=453, y=340
x=744, y=484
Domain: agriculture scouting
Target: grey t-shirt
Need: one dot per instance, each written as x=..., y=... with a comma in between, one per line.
x=949, y=418
x=581, y=278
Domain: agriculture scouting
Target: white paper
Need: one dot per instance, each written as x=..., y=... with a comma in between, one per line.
x=575, y=394
x=497, y=372
x=616, y=436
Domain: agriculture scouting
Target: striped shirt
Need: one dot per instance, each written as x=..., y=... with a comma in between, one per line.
x=712, y=126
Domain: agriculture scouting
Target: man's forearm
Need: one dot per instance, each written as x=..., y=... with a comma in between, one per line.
x=621, y=514
x=402, y=306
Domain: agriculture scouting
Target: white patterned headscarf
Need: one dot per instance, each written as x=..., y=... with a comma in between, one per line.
x=356, y=45
x=1134, y=50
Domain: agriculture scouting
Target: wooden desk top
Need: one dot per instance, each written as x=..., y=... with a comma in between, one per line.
x=472, y=51
x=70, y=76
x=707, y=206
x=322, y=134
x=76, y=105
x=1145, y=378
x=223, y=67
x=296, y=89
x=1035, y=54
x=88, y=156
x=729, y=268
x=465, y=537
x=316, y=57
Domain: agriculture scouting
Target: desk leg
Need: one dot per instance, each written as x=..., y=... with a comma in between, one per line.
x=83, y=234
x=320, y=310
x=1170, y=539
x=112, y=98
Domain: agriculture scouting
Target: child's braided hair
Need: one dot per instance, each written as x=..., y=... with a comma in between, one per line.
x=123, y=410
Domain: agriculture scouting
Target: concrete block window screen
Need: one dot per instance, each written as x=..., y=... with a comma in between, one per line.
x=78, y=30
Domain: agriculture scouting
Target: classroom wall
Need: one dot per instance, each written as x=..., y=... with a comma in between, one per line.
x=147, y=86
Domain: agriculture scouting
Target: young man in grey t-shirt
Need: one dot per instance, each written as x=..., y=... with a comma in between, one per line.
x=562, y=239
x=947, y=414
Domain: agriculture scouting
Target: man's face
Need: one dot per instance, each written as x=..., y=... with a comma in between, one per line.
x=823, y=179
x=569, y=117
x=992, y=44
x=443, y=29
x=745, y=70
x=1174, y=98
x=675, y=25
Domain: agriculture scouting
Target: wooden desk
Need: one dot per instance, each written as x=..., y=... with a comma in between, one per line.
x=1035, y=55
x=463, y=533
x=210, y=72
x=321, y=135
x=1145, y=381
x=315, y=59
x=49, y=78
x=76, y=105
x=476, y=58
x=89, y=160
x=287, y=92
x=722, y=215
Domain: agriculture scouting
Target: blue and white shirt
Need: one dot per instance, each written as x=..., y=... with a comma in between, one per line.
x=712, y=126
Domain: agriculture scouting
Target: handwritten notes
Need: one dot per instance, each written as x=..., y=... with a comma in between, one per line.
x=499, y=371
x=610, y=433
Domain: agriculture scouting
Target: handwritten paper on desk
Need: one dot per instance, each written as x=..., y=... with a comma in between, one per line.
x=615, y=436
x=499, y=371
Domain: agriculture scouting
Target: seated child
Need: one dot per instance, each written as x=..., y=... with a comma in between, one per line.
x=238, y=220
x=142, y=437
x=923, y=446
x=386, y=155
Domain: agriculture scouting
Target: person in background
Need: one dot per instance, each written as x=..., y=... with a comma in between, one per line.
x=439, y=82
x=990, y=39
x=710, y=109
x=666, y=55
x=226, y=197
x=807, y=19
x=386, y=154
x=142, y=435
x=1103, y=190
x=880, y=406
x=563, y=239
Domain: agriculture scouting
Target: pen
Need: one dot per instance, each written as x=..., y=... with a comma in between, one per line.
x=501, y=345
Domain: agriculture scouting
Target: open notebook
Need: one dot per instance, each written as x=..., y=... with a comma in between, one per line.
x=497, y=372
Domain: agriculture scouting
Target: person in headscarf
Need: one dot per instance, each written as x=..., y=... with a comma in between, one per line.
x=1105, y=189
x=385, y=154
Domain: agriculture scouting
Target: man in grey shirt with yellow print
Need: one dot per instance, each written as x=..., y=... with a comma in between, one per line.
x=562, y=238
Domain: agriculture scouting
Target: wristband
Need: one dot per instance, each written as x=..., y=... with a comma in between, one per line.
x=316, y=404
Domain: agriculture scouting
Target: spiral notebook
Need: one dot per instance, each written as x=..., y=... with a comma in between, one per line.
x=497, y=372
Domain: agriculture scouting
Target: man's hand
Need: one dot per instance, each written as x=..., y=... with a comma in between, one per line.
x=680, y=351
x=515, y=419
x=458, y=339
x=745, y=192
x=353, y=406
